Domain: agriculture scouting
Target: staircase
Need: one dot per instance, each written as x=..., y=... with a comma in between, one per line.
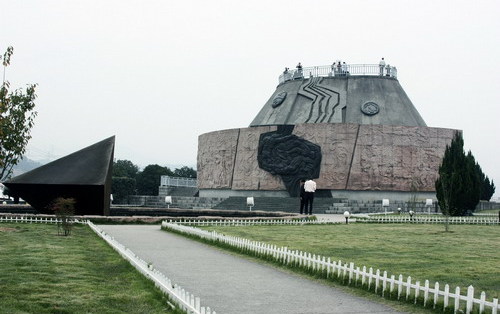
x=284, y=204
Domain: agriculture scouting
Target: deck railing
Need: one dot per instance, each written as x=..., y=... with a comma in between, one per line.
x=336, y=71
x=176, y=181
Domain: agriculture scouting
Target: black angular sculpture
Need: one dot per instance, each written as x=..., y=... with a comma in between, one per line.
x=291, y=157
x=84, y=175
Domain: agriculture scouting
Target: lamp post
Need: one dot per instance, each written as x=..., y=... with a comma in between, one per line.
x=168, y=201
x=347, y=215
x=411, y=214
x=385, y=204
x=250, y=202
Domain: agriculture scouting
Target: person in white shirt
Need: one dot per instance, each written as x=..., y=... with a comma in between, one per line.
x=381, y=66
x=309, y=188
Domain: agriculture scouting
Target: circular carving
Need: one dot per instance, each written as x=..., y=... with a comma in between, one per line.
x=370, y=108
x=278, y=100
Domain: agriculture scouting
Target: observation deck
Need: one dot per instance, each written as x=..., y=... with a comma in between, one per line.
x=338, y=70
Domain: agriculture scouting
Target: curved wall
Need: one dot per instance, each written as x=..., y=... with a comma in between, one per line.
x=355, y=157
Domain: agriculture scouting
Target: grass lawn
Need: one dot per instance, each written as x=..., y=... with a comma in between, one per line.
x=46, y=273
x=468, y=255
x=488, y=211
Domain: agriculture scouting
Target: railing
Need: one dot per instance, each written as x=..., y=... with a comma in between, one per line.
x=175, y=181
x=253, y=222
x=433, y=219
x=45, y=220
x=378, y=281
x=335, y=71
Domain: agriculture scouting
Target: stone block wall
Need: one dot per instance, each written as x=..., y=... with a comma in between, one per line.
x=354, y=157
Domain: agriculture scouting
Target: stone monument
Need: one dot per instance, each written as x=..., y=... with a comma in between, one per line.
x=355, y=131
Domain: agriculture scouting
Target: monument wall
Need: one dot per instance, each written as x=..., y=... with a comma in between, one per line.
x=354, y=157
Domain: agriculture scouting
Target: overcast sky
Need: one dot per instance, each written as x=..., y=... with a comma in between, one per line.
x=157, y=74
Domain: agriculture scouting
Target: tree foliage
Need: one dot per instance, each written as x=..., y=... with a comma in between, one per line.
x=16, y=120
x=124, y=180
x=121, y=188
x=148, y=180
x=125, y=169
x=461, y=182
x=185, y=172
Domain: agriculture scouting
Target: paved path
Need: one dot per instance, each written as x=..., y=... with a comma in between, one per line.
x=230, y=284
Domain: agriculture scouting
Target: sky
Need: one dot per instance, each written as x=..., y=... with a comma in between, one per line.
x=157, y=74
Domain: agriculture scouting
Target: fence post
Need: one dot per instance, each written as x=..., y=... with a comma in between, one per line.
x=417, y=290
x=370, y=276
x=436, y=293
x=495, y=305
x=408, y=287
x=384, y=282
x=351, y=271
x=400, y=285
x=481, y=303
x=470, y=299
x=426, y=292
x=391, y=287
x=457, y=299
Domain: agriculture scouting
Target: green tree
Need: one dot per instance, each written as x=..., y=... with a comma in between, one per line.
x=488, y=189
x=458, y=185
x=16, y=120
x=185, y=172
x=125, y=169
x=121, y=188
x=148, y=180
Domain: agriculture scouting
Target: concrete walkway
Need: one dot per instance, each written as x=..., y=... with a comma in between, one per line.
x=229, y=284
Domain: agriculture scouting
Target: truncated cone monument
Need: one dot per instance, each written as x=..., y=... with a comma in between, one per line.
x=84, y=175
x=354, y=130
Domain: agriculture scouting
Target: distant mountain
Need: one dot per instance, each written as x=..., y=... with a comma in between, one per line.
x=26, y=165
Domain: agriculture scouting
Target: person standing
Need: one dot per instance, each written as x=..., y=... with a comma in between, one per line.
x=381, y=67
x=309, y=188
x=302, y=197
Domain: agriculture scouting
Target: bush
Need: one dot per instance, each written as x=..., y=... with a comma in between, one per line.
x=64, y=208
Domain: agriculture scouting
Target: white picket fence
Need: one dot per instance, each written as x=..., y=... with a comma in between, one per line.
x=252, y=222
x=185, y=300
x=31, y=219
x=432, y=219
x=379, y=282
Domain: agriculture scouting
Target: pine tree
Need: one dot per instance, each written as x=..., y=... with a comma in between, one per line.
x=458, y=187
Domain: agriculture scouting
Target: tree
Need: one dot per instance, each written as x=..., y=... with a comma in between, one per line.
x=124, y=180
x=64, y=208
x=121, y=187
x=185, y=172
x=16, y=120
x=125, y=169
x=148, y=180
x=458, y=185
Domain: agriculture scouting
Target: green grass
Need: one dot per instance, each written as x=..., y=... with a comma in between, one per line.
x=46, y=273
x=468, y=255
x=488, y=211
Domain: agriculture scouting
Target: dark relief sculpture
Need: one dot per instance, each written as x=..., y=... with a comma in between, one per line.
x=278, y=100
x=291, y=157
x=370, y=108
